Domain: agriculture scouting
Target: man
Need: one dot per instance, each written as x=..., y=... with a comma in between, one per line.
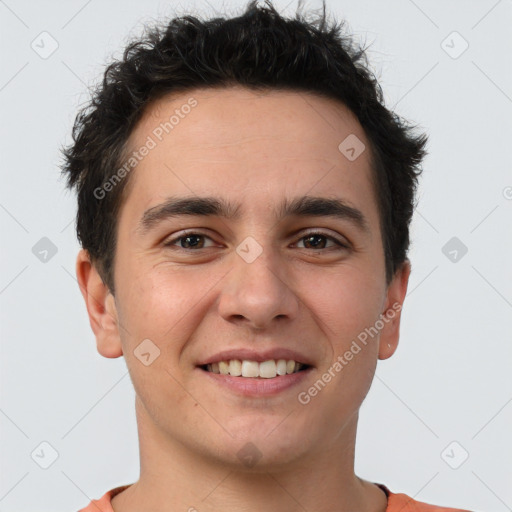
x=244, y=201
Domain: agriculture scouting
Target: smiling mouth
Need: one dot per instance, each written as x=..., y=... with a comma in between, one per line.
x=252, y=369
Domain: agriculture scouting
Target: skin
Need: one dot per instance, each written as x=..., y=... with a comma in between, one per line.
x=194, y=304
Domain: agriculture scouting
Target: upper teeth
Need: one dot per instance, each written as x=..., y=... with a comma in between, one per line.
x=266, y=369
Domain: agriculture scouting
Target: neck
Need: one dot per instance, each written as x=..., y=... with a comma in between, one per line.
x=173, y=477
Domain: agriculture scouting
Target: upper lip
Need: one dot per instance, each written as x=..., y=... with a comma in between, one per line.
x=258, y=356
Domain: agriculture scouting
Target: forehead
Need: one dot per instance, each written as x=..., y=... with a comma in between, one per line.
x=240, y=143
x=228, y=116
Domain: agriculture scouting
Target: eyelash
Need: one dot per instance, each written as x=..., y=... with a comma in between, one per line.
x=341, y=245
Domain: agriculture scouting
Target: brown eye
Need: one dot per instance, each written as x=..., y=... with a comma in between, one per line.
x=188, y=241
x=315, y=240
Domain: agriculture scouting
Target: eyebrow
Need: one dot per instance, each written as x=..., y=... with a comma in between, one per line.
x=305, y=206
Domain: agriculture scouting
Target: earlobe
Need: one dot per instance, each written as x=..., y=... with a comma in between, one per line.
x=101, y=307
x=391, y=315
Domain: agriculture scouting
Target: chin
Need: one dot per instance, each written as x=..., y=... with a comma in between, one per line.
x=264, y=447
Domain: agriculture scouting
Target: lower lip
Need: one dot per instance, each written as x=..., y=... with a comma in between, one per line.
x=257, y=386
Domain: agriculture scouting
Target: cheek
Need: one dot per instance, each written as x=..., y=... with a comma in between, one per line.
x=345, y=301
x=347, y=304
x=158, y=305
x=165, y=303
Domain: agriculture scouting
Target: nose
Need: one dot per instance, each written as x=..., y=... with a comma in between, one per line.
x=259, y=293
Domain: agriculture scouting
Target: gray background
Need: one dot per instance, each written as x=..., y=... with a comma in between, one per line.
x=450, y=379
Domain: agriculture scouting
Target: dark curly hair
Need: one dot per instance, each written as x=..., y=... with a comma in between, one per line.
x=261, y=50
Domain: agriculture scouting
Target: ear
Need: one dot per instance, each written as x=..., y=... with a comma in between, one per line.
x=101, y=307
x=397, y=290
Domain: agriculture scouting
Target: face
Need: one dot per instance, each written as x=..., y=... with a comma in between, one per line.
x=258, y=277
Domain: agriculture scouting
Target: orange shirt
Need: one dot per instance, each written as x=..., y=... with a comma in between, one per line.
x=396, y=503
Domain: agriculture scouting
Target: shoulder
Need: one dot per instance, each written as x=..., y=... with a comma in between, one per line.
x=104, y=504
x=399, y=502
